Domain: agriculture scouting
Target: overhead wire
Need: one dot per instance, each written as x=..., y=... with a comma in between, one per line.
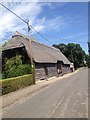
x=14, y=13
x=42, y=35
x=59, y=38
x=25, y=22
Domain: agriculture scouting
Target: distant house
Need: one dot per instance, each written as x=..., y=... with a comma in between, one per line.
x=49, y=61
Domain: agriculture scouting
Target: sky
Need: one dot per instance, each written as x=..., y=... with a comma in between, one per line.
x=59, y=22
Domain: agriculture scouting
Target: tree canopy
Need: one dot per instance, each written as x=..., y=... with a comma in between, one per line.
x=89, y=47
x=74, y=53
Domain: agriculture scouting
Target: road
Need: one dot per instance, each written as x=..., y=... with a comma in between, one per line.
x=66, y=98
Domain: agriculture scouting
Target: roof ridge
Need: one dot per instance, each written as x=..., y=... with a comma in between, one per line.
x=22, y=35
x=45, y=45
x=19, y=34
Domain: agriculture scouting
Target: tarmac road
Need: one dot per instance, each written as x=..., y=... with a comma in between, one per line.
x=66, y=98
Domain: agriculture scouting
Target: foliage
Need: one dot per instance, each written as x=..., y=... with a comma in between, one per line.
x=87, y=59
x=0, y=75
x=14, y=61
x=61, y=47
x=73, y=52
x=89, y=47
x=17, y=71
x=13, y=67
x=13, y=84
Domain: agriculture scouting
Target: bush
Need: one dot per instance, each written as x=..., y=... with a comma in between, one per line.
x=14, y=61
x=0, y=76
x=17, y=71
x=13, y=84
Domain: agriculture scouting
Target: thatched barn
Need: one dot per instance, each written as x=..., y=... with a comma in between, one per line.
x=49, y=61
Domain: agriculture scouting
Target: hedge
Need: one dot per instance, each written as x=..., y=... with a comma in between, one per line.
x=13, y=84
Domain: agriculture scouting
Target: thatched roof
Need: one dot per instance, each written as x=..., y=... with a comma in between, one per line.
x=40, y=52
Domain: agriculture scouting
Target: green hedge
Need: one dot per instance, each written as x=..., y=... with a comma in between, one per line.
x=13, y=84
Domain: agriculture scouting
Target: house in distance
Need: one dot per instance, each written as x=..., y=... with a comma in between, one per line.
x=49, y=61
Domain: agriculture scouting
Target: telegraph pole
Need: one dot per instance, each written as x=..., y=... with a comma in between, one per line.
x=31, y=58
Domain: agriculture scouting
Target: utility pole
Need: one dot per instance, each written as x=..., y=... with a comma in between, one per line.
x=31, y=58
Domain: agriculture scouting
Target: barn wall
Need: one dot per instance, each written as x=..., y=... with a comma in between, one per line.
x=65, y=69
x=52, y=70
x=40, y=71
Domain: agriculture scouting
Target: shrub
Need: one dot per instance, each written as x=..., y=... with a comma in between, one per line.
x=13, y=84
x=13, y=67
x=0, y=76
x=14, y=61
x=17, y=71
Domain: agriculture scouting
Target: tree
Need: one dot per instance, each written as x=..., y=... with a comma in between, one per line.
x=14, y=61
x=61, y=47
x=13, y=67
x=73, y=52
x=10, y=64
x=87, y=59
x=89, y=47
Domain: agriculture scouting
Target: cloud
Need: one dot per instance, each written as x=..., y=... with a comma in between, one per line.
x=57, y=23
x=78, y=35
x=9, y=23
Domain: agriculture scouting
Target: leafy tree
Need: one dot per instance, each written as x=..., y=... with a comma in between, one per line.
x=17, y=71
x=10, y=64
x=13, y=67
x=89, y=47
x=87, y=59
x=73, y=52
x=61, y=47
x=14, y=61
